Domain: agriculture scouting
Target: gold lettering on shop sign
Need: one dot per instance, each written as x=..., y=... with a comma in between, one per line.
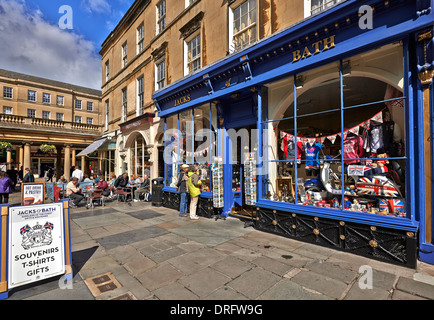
x=325, y=44
x=182, y=100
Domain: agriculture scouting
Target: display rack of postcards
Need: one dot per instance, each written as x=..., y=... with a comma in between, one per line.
x=250, y=178
x=217, y=182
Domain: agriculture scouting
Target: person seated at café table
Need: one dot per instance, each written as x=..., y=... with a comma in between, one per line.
x=86, y=178
x=62, y=180
x=73, y=192
x=143, y=189
x=102, y=185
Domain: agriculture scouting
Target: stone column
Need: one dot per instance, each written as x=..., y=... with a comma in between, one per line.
x=9, y=159
x=20, y=157
x=27, y=161
x=73, y=160
x=67, y=165
x=83, y=164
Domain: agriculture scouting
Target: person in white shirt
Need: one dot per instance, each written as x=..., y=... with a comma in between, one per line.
x=78, y=174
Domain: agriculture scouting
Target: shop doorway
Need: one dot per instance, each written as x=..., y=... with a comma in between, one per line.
x=242, y=146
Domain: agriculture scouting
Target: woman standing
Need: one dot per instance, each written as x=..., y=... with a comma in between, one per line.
x=5, y=188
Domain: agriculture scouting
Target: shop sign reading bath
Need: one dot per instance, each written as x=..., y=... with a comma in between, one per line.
x=36, y=238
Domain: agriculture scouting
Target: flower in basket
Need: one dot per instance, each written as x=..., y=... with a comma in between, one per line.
x=5, y=146
x=47, y=148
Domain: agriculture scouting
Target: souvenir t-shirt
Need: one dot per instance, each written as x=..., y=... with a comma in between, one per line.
x=353, y=148
x=312, y=154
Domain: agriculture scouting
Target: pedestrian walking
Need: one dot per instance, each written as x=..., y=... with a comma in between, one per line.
x=50, y=174
x=78, y=174
x=194, y=185
x=6, y=186
x=183, y=189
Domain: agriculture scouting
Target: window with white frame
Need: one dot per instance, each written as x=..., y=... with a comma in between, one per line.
x=8, y=110
x=161, y=16
x=124, y=104
x=8, y=93
x=31, y=113
x=46, y=115
x=107, y=114
x=90, y=106
x=160, y=74
x=60, y=116
x=140, y=96
x=31, y=96
x=244, y=27
x=60, y=100
x=316, y=6
x=188, y=2
x=77, y=119
x=78, y=104
x=193, y=62
x=140, y=38
x=124, y=54
x=89, y=121
x=46, y=98
x=107, y=70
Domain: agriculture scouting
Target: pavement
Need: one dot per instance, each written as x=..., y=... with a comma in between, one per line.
x=141, y=252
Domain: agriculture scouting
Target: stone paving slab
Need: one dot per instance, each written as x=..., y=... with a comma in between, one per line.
x=155, y=254
x=130, y=237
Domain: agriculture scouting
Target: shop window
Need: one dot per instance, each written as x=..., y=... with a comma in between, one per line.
x=204, y=144
x=191, y=139
x=336, y=136
x=140, y=158
x=171, y=151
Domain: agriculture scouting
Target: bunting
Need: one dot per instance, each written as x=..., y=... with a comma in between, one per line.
x=332, y=138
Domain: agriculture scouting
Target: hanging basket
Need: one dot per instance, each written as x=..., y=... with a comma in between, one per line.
x=47, y=148
x=5, y=146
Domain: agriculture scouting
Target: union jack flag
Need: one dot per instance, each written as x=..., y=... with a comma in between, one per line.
x=49, y=226
x=25, y=229
x=394, y=207
x=377, y=187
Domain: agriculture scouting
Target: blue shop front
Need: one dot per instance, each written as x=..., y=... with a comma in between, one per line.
x=320, y=133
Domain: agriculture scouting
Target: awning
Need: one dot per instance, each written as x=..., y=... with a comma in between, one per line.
x=92, y=148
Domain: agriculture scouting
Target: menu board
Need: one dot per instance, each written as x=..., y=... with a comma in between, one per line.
x=32, y=193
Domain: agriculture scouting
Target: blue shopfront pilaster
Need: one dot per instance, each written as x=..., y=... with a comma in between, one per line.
x=266, y=86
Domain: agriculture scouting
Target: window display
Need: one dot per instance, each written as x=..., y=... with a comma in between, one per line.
x=336, y=136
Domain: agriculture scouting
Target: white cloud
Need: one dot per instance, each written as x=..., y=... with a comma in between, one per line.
x=33, y=46
x=96, y=6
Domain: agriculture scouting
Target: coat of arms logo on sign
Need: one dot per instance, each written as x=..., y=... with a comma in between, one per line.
x=37, y=241
x=38, y=236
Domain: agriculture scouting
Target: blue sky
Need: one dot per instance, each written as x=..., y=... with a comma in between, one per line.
x=33, y=43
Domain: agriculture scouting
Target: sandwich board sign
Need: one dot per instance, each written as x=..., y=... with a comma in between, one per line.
x=36, y=243
x=32, y=193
